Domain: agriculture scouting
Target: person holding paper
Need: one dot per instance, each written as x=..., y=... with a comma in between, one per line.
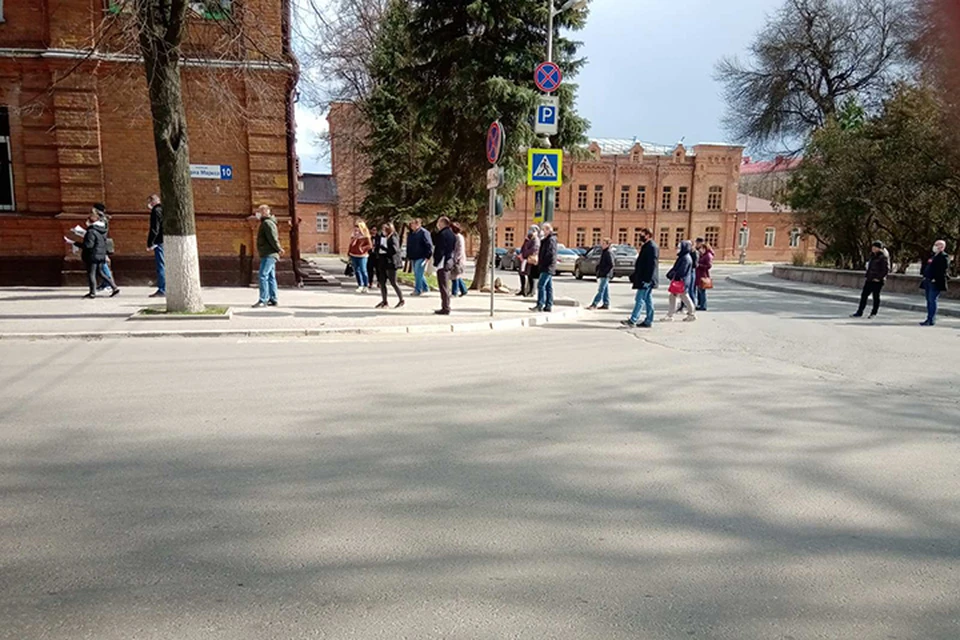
x=93, y=251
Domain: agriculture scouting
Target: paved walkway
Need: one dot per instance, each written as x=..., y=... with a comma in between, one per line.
x=61, y=312
x=900, y=301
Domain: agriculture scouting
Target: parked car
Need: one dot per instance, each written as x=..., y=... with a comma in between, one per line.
x=566, y=260
x=511, y=261
x=580, y=250
x=498, y=258
x=624, y=259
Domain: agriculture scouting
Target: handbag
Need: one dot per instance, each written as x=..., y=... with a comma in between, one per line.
x=677, y=287
x=706, y=282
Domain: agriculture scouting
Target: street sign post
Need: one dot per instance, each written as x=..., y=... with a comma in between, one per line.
x=494, y=147
x=545, y=167
x=548, y=77
x=548, y=116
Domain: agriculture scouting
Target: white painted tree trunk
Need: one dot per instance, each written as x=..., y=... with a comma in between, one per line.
x=183, y=274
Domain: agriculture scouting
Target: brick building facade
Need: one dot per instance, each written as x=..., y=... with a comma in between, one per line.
x=77, y=129
x=317, y=214
x=620, y=187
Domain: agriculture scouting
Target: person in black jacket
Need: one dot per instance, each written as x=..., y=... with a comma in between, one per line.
x=547, y=262
x=604, y=270
x=155, y=244
x=877, y=269
x=93, y=252
x=386, y=251
x=645, y=278
x=444, y=255
x=935, y=280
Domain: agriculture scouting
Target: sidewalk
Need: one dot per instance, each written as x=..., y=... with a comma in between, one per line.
x=39, y=313
x=900, y=301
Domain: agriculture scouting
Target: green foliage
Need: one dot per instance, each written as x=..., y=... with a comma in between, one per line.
x=894, y=177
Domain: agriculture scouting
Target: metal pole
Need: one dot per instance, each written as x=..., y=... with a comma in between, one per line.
x=492, y=204
x=551, y=12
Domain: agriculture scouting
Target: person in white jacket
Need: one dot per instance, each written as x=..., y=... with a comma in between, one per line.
x=459, y=286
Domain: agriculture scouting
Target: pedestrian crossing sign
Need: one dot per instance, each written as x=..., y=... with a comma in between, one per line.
x=545, y=167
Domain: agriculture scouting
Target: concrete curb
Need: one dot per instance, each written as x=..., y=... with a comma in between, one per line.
x=507, y=324
x=841, y=297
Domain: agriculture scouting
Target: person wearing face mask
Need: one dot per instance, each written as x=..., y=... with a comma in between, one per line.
x=934, y=283
x=93, y=252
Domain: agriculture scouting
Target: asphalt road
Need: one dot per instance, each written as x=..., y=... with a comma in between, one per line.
x=774, y=470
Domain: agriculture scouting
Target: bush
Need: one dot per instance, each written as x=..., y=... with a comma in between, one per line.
x=799, y=259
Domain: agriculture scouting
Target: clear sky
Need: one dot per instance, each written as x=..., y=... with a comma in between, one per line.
x=649, y=73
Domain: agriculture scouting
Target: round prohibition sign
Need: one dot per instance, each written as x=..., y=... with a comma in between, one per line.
x=494, y=142
x=548, y=77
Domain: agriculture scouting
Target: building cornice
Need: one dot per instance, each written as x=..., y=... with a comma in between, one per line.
x=125, y=58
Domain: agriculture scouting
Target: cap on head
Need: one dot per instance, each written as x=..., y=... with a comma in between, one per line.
x=878, y=244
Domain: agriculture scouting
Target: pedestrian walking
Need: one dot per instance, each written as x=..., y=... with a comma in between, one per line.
x=878, y=266
x=106, y=271
x=935, y=280
x=93, y=252
x=460, y=265
x=270, y=251
x=389, y=259
x=359, y=253
x=703, y=279
x=604, y=270
x=645, y=278
x=444, y=259
x=681, y=278
x=155, y=244
x=547, y=263
x=419, y=252
x=529, y=259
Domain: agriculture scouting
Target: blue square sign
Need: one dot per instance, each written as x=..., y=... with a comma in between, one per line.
x=545, y=167
x=548, y=116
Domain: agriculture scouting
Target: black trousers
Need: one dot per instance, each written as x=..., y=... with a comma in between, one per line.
x=385, y=275
x=532, y=278
x=93, y=270
x=870, y=288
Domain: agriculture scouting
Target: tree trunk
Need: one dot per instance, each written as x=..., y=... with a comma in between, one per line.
x=481, y=277
x=161, y=57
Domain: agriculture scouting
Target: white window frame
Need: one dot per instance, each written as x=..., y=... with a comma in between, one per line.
x=326, y=223
x=744, y=238
x=770, y=237
x=323, y=247
x=795, y=235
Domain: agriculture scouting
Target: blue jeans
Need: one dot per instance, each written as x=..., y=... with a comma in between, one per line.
x=459, y=287
x=545, y=291
x=161, y=268
x=107, y=277
x=644, y=299
x=360, y=270
x=603, y=292
x=419, y=280
x=702, y=299
x=268, y=280
x=933, y=297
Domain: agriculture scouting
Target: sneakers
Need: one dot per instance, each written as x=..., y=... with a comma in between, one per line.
x=667, y=319
x=872, y=316
x=856, y=315
x=605, y=307
x=592, y=307
x=548, y=309
x=364, y=289
x=259, y=305
x=644, y=325
x=690, y=319
x=273, y=303
x=442, y=312
x=536, y=309
x=90, y=296
x=158, y=294
x=630, y=324
x=926, y=323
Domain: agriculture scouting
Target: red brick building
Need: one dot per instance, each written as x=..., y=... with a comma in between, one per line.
x=317, y=214
x=75, y=123
x=619, y=188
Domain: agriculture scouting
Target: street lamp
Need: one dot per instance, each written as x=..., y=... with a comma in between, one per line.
x=569, y=5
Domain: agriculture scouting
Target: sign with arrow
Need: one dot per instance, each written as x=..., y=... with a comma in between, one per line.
x=545, y=167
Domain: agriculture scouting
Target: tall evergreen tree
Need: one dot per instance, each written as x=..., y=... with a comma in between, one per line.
x=471, y=62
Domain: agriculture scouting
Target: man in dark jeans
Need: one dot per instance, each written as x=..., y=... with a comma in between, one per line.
x=877, y=269
x=935, y=280
x=547, y=262
x=155, y=244
x=444, y=254
x=94, y=253
x=645, y=278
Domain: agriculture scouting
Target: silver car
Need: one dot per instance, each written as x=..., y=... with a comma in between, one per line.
x=566, y=260
x=624, y=259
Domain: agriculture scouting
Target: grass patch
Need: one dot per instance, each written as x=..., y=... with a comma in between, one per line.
x=408, y=279
x=208, y=311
